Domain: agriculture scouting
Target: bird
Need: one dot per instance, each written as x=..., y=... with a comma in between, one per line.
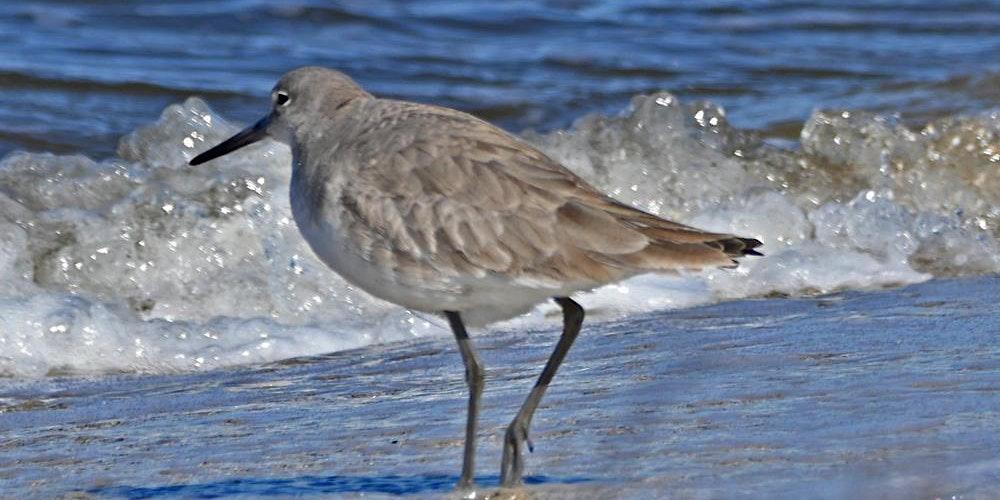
x=441, y=212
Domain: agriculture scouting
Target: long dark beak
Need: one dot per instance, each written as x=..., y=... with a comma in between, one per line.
x=247, y=136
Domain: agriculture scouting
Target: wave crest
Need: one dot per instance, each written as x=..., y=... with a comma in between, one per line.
x=141, y=263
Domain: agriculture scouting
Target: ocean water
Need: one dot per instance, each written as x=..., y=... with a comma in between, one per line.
x=155, y=313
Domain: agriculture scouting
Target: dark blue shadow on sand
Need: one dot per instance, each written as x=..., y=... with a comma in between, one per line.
x=313, y=485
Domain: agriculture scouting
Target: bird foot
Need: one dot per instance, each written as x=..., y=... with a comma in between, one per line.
x=515, y=438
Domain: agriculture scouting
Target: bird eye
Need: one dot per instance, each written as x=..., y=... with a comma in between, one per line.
x=281, y=98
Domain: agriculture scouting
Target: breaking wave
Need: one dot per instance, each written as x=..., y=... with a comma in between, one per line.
x=141, y=263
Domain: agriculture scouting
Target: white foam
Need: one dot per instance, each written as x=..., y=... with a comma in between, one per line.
x=143, y=263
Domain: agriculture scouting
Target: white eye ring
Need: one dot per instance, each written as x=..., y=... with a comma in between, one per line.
x=281, y=98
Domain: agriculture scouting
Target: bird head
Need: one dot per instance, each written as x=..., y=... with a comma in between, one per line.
x=302, y=99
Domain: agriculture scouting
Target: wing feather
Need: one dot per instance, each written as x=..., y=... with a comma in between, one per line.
x=460, y=196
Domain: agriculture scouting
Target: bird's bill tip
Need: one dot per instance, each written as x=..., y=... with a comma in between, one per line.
x=245, y=137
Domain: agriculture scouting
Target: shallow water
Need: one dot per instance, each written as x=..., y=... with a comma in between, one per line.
x=891, y=394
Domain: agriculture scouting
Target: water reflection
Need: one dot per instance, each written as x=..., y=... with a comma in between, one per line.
x=316, y=485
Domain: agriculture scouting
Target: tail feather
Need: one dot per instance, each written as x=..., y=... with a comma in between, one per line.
x=674, y=246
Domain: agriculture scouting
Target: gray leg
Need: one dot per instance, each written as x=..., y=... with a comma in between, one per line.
x=512, y=467
x=475, y=378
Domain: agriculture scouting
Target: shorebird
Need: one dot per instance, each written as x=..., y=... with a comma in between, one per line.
x=441, y=212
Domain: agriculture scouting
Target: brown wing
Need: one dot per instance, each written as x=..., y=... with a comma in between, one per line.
x=456, y=194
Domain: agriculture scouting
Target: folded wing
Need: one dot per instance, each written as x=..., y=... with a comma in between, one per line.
x=457, y=195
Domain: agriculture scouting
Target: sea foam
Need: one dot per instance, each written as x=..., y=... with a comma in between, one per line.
x=142, y=263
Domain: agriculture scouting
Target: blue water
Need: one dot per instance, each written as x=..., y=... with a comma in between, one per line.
x=76, y=75
x=315, y=485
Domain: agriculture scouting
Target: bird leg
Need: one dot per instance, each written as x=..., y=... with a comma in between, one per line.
x=516, y=436
x=475, y=378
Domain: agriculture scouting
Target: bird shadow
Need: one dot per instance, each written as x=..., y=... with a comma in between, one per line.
x=314, y=485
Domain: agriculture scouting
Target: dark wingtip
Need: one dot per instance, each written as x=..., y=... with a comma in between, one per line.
x=750, y=245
